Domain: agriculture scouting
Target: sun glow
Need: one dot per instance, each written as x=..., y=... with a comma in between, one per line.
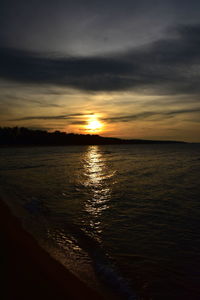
x=94, y=125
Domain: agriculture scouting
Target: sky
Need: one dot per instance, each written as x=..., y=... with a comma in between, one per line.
x=128, y=69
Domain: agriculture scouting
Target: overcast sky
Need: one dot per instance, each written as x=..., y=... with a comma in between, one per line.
x=135, y=65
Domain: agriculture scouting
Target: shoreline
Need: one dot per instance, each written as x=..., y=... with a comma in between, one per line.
x=28, y=271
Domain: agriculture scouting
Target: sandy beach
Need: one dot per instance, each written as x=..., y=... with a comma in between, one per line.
x=28, y=271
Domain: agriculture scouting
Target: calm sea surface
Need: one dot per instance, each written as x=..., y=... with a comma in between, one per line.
x=123, y=218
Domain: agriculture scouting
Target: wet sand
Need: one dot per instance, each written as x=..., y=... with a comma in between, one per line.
x=28, y=271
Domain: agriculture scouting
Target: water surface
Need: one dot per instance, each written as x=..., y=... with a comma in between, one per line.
x=123, y=217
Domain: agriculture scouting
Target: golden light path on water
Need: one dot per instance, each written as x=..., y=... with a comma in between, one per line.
x=97, y=179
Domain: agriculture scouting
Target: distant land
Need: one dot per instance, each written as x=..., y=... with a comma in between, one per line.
x=21, y=136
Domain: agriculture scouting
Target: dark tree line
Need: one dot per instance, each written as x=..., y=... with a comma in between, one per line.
x=20, y=136
x=25, y=136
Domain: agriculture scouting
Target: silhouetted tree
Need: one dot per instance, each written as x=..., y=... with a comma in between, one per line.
x=23, y=136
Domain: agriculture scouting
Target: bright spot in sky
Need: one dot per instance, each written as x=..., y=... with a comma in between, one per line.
x=94, y=125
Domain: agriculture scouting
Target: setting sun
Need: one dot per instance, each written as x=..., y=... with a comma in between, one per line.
x=94, y=125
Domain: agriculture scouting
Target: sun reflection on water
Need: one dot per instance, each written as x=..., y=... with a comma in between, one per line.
x=97, y=178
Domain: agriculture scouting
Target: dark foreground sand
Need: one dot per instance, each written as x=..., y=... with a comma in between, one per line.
x=29, y=272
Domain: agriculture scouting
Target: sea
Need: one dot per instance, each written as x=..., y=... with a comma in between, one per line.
x=125, y=219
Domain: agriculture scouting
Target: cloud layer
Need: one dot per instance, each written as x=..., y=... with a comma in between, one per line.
x=156, y=115
x=170, y=65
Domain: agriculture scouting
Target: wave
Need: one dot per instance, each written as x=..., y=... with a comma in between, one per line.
x=21, y=168
x=25, y=167
x=103, y=265
x=109, y=275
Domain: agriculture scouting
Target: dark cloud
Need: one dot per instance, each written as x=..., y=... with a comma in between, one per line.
x=78, y=122
x=83, y=73
x=81, y=26
x=58, y=117
x=90, y=26
x=157, y=115
x=119, y=118
x=171, y=65
x=8, y=98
